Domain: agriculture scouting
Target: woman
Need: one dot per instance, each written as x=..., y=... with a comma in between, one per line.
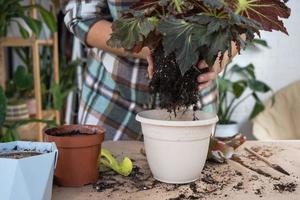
x=115, y=87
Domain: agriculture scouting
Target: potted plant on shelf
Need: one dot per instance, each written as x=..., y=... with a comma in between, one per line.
x=234, y=92
x=180, y=33
x=14, y=12
x=18, y=91
x=79, y=147
x=8, y=130
x=26, y=170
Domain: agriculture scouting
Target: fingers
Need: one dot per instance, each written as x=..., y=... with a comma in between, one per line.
x=209, y=76
x=150, y=66
x=206, y=79
x=202, y=64
x=204, y=85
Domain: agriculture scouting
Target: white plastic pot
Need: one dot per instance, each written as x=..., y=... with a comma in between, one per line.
x=28, y=178
x=226, y=130
x=176, y=148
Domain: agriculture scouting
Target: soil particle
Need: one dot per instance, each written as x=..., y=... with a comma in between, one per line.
x=185, y=197
x=258, y=192
x=193, y=187
x=238, y=173
x=207, y=178
x=239, y=186
x=281, y=187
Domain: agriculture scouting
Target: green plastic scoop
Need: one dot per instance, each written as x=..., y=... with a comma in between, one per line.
x=124, y=168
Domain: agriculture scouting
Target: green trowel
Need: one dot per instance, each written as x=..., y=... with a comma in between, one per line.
x=107, y=159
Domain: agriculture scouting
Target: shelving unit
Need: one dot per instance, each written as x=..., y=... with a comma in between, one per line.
x=34, y=43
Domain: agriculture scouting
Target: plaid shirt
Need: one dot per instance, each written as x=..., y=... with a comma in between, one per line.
x=115, y=88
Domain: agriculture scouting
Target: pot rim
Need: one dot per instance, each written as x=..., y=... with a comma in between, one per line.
x=211, y=118
x=80, y=141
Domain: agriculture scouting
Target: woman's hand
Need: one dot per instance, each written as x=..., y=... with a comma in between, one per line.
x=205, y=79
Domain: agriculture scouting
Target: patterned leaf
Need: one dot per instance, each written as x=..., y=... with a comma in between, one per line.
x=182, y=35
x=128, y=33
x=265, y=12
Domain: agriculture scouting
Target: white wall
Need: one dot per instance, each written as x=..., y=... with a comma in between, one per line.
x=278, y=65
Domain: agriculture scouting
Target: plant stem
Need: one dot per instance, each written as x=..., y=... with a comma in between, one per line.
x=177, y=5
x=236, y=105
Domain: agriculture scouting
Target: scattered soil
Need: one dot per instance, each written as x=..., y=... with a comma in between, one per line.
x=217, y=180
x=257, y=170
x=239, y=186
x=175, y=90
x=68, y=134
x=19, y=155
x=281, y=187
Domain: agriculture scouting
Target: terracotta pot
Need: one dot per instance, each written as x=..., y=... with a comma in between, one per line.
x=77, y=155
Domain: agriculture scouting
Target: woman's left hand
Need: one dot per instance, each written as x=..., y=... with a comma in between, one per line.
x=206, y=79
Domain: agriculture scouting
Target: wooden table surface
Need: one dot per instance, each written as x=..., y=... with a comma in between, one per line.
x=219, y=181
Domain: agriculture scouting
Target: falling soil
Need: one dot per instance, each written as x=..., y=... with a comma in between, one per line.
x=69, y=134
x=19, y=155
x=175, y=90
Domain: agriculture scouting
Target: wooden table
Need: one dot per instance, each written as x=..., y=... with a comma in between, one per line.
x=218, y=181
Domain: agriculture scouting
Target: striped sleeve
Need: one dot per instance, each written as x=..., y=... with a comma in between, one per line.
x=81, y=15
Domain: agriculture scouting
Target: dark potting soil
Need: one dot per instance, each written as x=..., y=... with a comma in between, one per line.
x=71, y=133
x=281, y=187
x=19, y=155
x=175, y=90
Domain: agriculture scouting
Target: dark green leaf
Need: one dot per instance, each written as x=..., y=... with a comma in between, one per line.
x=23, y=31
x=260, y=42
x=258, y=86
x=224, y=84
x=58, y=96
x=238, y=88
x=48, y=18
x=258, y=107
x=23, y=79
x=219, y=42
x=34, y=24
x=214, y=4
x=247, y=72
x=182, y=35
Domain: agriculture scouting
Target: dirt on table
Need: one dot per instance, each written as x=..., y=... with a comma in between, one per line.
x=217, y=180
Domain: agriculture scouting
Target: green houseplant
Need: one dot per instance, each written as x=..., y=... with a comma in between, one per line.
x=14, y=11
x=232, y=93
x=236, y=85
x=181, y=33
x=8, y=131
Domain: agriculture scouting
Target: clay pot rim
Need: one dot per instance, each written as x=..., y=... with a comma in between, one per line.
x=99, y=130
x=78, y=141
